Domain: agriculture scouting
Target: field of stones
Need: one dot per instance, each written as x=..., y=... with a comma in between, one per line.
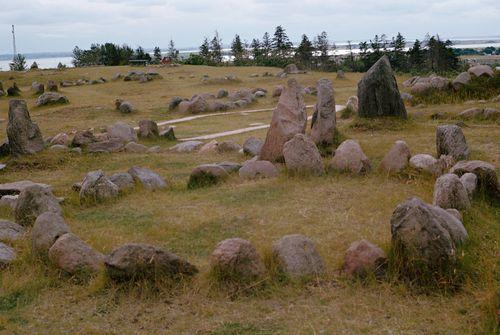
x=246, y=200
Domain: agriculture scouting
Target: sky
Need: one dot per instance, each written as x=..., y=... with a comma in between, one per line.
x=55, y=25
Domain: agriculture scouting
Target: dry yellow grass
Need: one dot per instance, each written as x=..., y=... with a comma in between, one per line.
x=334, y=211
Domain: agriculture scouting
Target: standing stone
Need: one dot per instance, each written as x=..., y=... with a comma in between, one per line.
x=469, y=180
x=302, y=156
x=396, y=160
x=450, y=140
x=449, y=192
x=96, y=187
x=487, y=178
x=425, y=233
x=136, y=261
x=236, y=259
x=289, y=118
x=378, y=92
x=148, y=128
x=147, y=178
x=324, y=118
x=24, y=136
x=33, y=201
x=363, y=257
x=349, y=157
x=297, y=256
x=73, y=255
x=47, y=229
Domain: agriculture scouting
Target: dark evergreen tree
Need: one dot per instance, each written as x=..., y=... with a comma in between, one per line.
x=416, y=57
x=216, y=49
x=237, y=50
x=267, y=46
x=398, y=55
x=205, y=52
x=304, y=52
x=281, y=44
x=157, y=57
x=322, y=47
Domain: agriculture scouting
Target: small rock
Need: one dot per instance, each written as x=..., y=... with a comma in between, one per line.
x=148, y=128
x=258, y=169
x=123, y=180
x=486, y=175
x=227, y=146
x=449, y=192
x=7, y=255
x=73, y=255
x=10, y=231
x=302, y=156
x=206, y=175
x=362, y=258
x=450, y=140
x=147, y=178
x=47, y=229
x=188, y=146
x=397, y=159
x=168, y=134
x=252, y=146
x=350, y=157
x=49, y=98
x=96, y=187
x=135, y=148
x=469, y=180
x=33, y=201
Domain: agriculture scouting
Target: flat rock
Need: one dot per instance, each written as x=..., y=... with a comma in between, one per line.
x=107, y=146
x=122, y=131
x=18, y=186
x=230, y=167
x=481, y=70
x=123, y=180
x=49, y=98
x=227, y=146
x=135, y=148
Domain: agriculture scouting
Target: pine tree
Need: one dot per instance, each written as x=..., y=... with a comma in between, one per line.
x=18, y=63
x=257, y=50
x=322, y=46
x=205, y=51
x=172, y=52
x=416, y=56
x=398, y=56
x=281, y=43
x=216, y=48
x=237, y=50
x=267, y=45
x=157, y=57
x=304, y=52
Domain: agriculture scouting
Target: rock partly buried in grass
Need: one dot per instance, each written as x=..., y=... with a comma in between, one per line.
x=147, y=178
x=74, y=256
x=425, y=234
x=135, y=148
x=481, y=70
x=206, y=175
x=236, y=259
x=324, y=117
x=252, y=146
x=429, y=164
x=471, y=113
x=60, y=138
x=289, y=118
x=209, y=147
x=491, y=114
x=33, y=201
x=363, y=258
x=7, y=255
x=123, y=180
x=96, y=187
x=351, y=107
x=124, y=107
x=255, y=169
x=83, y=138
x=461, y=80
x=49, y=98
x=188, y=146
x=469, y=180
x=122, y=131
x=168, y=134
x=397, y=159
x=450, y=140
x=302, y=157
x=486, y=175
x=174, y=102
x=143, y=261
x=227, y=146
x=110, y=145
x=449, y=192
x=349, y=157
x=37, y=88
x=10, y=231
x=47, y=229
x=297, y=256
x=378, y=92
x=230, y=167
x=148, y=128
x=24, y=136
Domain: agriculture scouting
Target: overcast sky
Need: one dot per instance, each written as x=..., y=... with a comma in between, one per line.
x=55, y=25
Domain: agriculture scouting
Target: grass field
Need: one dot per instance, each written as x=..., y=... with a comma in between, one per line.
x=334, y=210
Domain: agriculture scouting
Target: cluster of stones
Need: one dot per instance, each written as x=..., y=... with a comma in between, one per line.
x=477, y=113
x=81, y=82
x=422, y=85
x=140, y=76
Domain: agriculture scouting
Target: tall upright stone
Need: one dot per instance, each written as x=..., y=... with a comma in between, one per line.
x=289, y=118
x=378, y=92
x=24, y=136
x=324, y=119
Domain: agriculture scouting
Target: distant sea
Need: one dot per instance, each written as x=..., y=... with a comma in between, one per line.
x=48, y=60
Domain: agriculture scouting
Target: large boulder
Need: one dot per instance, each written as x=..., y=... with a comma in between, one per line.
x=302, y=156
x=49, y=98
x=10, y=231
x=236, y=259
x=289, y=118
x=252, y=146
x=122, y=131
x=147, y=178
x=96, y=187
x=486, y=175
x=378, y=92
x=148, y=128
x=255, y=169
x=397, y=159
x=425, y=233
x=297, y=256
x=136, y=261
x=349, y=157
x=481, y=70
x=324, y=117
x=450, y=140
x=362, y=258
x=73, y=255
x=449, y=192
x=206, y=175
x=33, y=201
x=47, y=229
x=24, y=136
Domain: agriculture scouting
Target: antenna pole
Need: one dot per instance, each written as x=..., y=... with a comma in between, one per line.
x=14, y=41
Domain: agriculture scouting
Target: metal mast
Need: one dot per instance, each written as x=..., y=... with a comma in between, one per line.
x=14, y=42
